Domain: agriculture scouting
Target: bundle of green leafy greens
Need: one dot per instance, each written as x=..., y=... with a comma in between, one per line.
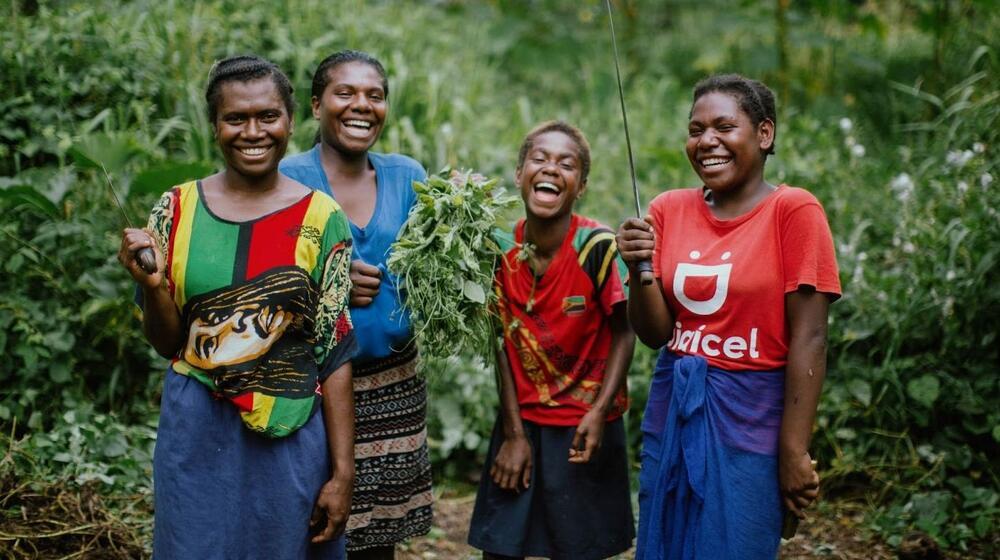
x=445, y=258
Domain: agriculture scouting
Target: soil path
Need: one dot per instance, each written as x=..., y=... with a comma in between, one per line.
x=833, y=536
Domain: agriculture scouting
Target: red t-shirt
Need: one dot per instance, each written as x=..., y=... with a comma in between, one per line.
x=558, y=344
x=725, y=280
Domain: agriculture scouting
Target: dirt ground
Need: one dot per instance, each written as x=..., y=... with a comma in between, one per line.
x=834, y=536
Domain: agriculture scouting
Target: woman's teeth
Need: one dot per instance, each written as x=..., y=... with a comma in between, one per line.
x=549, y=187
x=712, y=162
x=359, y=124
x=253, y=151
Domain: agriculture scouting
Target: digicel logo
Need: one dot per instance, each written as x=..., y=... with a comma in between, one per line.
x=710, y=344
x=693, y=272
x=702, y=290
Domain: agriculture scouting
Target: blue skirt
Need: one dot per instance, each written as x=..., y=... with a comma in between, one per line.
x=224, y=492
x=708, y=485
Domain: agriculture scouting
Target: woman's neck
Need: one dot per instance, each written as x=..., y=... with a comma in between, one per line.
x=243, y=186
x=344, y=166
x=731, y=203
x=546, y=236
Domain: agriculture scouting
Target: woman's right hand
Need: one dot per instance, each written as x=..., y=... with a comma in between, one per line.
x=635, y=241
x=365, y=282
x=134, y=239
x=511, y=468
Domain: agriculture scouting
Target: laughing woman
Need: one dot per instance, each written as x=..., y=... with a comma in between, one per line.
x=745, y=271
x=392, y=495
x=249, y=300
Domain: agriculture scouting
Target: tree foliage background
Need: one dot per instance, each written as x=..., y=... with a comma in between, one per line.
x=887, y=112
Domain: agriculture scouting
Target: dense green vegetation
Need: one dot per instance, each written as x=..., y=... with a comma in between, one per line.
x=887, y=112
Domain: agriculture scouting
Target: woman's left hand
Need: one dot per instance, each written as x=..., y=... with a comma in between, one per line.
x=333, y=506
x=799, y=482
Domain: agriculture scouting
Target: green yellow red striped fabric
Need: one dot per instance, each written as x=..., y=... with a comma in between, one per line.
x=264, y=302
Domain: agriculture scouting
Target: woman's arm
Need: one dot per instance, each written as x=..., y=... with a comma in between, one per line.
x=161, y=321
x=647, y=309
x=512, y=466
x=334, y=500
x=806, y=312
x=590, y=432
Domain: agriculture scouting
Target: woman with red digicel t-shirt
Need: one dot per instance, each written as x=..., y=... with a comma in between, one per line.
x=745, y=274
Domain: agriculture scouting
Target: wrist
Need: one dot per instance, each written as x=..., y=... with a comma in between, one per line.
x=792, y=450
x=600, y=408
x=341, y=480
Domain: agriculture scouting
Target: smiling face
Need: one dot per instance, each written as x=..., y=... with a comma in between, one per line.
x=724, y=147
x=551, y=176
x=252, y=126
x=352, y=109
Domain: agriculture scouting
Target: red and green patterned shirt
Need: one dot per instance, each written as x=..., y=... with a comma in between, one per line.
x=264, y=303
x=557, y=328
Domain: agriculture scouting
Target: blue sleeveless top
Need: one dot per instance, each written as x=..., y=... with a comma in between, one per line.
x=383, y=326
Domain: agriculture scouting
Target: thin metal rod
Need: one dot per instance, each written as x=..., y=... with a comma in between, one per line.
x=114, y=194
x=621, y=98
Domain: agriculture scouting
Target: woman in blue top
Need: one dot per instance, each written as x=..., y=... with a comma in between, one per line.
x=392, y=492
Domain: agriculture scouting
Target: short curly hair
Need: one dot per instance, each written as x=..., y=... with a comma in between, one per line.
x=754, y=98
x=582, y=146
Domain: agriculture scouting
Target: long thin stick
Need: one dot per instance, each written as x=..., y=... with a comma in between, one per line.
x=621, y=99
x=645, y=268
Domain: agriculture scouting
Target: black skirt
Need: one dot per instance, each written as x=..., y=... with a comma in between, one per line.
x=569, y=510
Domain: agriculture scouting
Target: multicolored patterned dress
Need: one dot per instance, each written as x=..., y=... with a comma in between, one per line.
x=392, y=490
x=264, y=307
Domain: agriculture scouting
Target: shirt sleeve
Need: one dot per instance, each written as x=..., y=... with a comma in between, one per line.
x=335, y=339
x=160, y=222
x=807, y=253
x=615, y=288
x=600, y=261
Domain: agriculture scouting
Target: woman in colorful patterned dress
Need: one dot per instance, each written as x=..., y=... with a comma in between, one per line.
x=392, y=494
x=745, y=274
x=249, y=301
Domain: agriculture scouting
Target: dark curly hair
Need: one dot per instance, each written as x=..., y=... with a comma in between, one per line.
x=755, y=98
x=582, y=146
x=321, y=78
x=245, y=68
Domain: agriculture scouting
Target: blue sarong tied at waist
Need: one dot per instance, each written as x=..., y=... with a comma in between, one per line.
x=709, y=480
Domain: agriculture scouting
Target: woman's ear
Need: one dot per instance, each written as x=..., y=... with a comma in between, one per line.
x=765, y=135
x=314, y=102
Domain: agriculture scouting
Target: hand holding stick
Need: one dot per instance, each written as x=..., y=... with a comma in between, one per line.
x=144, y=256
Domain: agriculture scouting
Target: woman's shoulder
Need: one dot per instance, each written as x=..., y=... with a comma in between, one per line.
x=672, y=197
x=301, y=159
x=792, y=198
x=397, y=163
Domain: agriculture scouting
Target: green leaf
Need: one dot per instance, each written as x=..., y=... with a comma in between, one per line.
x=158, y=178
x=996, y=433
x=111, y=150
x=924, y=389
x=59, y=372
x=474, y=292
x=861, y=390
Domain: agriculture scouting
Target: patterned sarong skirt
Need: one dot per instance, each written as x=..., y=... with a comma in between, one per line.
x=392, y=491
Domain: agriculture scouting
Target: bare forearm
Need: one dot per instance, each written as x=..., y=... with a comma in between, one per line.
x=619, y=358
x=161, y=321
x=806, y=369
x=338, y=415
x=803, y=383
x=648, y=312
x=509, y=409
